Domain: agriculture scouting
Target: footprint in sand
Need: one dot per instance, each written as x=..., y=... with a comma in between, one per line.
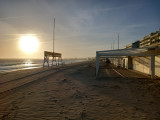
x=116, y=87
x=78, y=95
x=83, y=115
x=65, y=81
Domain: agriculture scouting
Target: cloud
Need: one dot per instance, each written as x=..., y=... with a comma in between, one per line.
x=136, y=25
x=7, y=29
x=15, y=17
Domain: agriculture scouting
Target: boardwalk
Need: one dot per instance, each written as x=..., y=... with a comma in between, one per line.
x=74, y=93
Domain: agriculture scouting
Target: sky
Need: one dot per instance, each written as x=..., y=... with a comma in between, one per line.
x=82, y=27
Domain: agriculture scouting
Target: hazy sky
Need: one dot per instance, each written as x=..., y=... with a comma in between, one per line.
x=82, y=26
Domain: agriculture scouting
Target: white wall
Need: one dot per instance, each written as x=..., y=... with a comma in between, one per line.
x=126, y=63
x=142, y=64
x=157, y=65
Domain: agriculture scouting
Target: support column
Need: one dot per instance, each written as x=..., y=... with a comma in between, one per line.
x=52, y=60
x=61, y=61
x=55, y=61
x=152, y=66
x=46, y=59
x=58, y=61
x=130, y=65
x=97, y=63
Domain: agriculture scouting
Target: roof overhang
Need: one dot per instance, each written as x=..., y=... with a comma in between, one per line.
x=145, y=51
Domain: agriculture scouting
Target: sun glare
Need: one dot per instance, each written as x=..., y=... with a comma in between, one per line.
x=29, y=43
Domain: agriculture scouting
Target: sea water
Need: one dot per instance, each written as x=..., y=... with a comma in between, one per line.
x=8, y=65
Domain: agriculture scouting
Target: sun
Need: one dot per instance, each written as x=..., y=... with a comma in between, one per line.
x=29, y=43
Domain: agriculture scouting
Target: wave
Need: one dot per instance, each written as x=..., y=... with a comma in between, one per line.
x=13, y=64
x=8, y=65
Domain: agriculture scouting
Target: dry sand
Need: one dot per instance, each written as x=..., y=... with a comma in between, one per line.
x=73, y=93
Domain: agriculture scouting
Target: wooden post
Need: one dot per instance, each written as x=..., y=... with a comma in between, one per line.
x=52, y=61
x=152, y=66
x=46, y=59
x=43, y=61
x=97, y=63
x=58, y=61
x=61, y=61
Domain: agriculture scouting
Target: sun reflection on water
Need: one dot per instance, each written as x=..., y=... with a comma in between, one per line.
x=28, y=63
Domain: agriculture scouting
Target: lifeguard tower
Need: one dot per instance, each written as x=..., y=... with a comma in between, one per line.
x=56, y=57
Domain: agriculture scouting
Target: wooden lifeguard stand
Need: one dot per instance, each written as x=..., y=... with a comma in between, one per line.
x=54, y=58
x=53, y=54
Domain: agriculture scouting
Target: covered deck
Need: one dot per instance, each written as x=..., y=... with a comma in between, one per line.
x=140, y=52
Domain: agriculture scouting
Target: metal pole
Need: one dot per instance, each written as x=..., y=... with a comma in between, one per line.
x=118, y=40
x=53, y=34
x=113, y=44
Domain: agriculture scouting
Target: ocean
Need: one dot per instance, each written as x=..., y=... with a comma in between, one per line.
x=8, y=65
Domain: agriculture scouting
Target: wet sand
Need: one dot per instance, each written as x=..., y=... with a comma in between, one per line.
x=73, y=93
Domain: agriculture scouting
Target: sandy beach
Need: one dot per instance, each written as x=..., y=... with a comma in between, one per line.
x=72, y=92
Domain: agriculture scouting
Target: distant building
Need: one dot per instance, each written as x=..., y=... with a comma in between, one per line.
x=156, y=38
x=134, y=45
x=129, y=46
x=152, y=39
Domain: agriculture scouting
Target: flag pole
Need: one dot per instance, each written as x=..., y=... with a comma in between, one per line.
x=53, y=34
